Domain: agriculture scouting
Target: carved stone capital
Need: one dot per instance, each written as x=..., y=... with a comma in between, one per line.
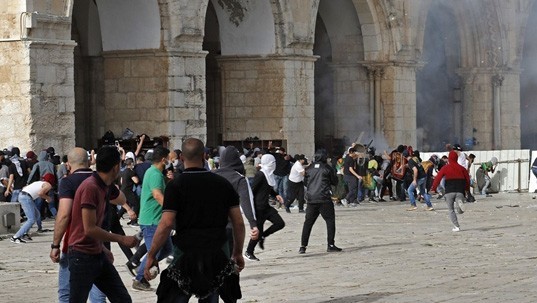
x=497, y=80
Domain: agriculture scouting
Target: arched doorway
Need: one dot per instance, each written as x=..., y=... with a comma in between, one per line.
x=342, y=109
x=88, y=71
x=211, y=44
x=439, y=107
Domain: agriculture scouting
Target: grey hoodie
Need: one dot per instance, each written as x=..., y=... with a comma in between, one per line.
x=44, y=166
x=232, y=169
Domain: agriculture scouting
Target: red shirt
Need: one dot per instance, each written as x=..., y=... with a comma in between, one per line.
x=91, y=194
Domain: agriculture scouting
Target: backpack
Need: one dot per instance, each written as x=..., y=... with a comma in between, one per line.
x=369, y=182
x=108, y=138
x=427, y=165
x=399, y=166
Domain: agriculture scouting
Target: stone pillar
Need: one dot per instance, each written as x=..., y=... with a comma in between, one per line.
x=399, y=99
x=156, y=92
x=379, y=73
x=496, y=110
x=467, y=106
x=36, y=79
x=271, y=98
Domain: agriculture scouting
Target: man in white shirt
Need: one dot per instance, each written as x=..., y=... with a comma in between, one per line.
x=296, y=184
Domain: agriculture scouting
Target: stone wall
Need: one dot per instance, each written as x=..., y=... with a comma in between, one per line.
x=15, y=87
x=269, y=97
x=157, y=93
x=136, y=96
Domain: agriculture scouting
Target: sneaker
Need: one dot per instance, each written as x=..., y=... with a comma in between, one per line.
x=250, y=256
x=354, y=204
x=373, y=200
x=132, y=268
x=261, y=242
x=302, y=250
x=344, y=202
x=412, y=208
x=429, y=208
x=27, y=237
x=440, y=197
x=455, y=229
x=142, y=285
x=488, y=196
x=287, y=210
x=393, y=198
x=382, y=200
x=301, y=211
x=332, y=248
x=17, y=240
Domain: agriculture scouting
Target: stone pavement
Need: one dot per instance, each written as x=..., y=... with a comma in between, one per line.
x=390, y=255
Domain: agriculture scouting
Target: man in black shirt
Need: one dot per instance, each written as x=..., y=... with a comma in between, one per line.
x=319, y=179
x=419, y=178
x=351, y=177
x=18, y=173
x=199, y=203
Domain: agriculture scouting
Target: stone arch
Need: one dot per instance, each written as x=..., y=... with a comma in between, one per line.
x=183, y=24
x=129, y=24
x=246, y=28
x=370, y=27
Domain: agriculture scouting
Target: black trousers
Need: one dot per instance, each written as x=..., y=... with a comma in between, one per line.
x=295, y=191
x=270, y=214
x=352, y=184
x=326, y=210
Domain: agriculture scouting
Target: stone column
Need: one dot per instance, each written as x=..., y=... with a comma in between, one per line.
x=379, y=73
x=269, y=97
x=467, y=106
x=496, y=110
x=36, y=80
x=371, y=79
x=399, y=99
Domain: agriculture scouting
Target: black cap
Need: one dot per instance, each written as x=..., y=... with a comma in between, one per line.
x=457, y=147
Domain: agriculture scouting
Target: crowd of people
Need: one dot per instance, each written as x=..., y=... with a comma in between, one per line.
x=188, y=202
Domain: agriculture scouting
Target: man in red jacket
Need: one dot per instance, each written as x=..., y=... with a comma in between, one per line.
x=457, y=182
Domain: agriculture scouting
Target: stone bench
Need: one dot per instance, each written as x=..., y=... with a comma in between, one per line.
x=7, y=208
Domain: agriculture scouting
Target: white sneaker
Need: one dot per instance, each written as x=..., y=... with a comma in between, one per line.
x=344, y=202
x=455, y=229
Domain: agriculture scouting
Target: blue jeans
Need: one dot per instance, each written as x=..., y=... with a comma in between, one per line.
x=28, y=205
x=165, y=251
x=281, y=185
x=39, y=204
x=95, y=295
x=15, y=195
x=421, y=185
x=86, y=270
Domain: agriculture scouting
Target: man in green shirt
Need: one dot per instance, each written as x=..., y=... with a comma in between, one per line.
x=151, y=201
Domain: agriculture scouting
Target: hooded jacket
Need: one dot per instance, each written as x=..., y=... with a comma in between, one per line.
x=457, y=178
x=319, y=179
x=232, y=169
x=43, y=165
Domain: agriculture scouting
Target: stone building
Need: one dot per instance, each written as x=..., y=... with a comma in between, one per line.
x=420, y=72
